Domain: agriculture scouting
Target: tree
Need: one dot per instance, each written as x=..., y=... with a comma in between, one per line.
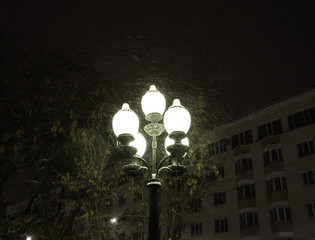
x=46, y=98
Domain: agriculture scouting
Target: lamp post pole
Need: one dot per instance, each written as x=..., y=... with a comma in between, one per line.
x=132, y=144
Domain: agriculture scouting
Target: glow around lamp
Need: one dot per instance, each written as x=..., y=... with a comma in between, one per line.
x=125, y=121
x=177, y=118
x=153, y=101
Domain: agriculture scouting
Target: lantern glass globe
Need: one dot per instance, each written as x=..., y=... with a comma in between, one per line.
x=153, y=101
x=125, y=121
x=177, y=118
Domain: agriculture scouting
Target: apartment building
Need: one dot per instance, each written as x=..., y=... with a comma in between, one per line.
x=267, y=190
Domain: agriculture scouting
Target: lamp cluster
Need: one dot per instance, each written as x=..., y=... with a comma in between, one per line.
x=176, y=122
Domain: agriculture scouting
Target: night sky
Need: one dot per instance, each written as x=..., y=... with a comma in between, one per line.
x=240, y=54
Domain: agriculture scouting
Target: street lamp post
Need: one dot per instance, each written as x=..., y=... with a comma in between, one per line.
x=131, y=144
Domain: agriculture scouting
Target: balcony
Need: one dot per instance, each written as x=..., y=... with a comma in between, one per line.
x=249, y=231
x=278, y=196
x=245, y=175
x=281, y=227
x=272, y=139
x=241, y=149
x=247, y=202
x=273, y=167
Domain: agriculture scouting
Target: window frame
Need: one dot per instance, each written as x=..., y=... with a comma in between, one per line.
x=248, y=219
x=219, y=198
x=221, y=225
x=280, y=214
x=308, y=177
x=195, y=229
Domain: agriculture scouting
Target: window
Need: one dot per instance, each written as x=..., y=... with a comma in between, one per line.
x=216, y=173
x=311, y=209
x=306, y=148
x=138, y=196
x=196, y=229
x=309, y=177
x=280, y=214
x=218, y=147
x=276, y=184
x=301, y=119
x=122, y=200
x=219, y=198
x=221, y=225
x=248, y=219
x=271, y=128
x=242, y=138
x=246, y=191
x=273, y=155
x=195, y=204
x=243, y=164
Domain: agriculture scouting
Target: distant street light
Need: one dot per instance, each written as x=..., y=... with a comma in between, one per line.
x=113, y=220
x=132, y=145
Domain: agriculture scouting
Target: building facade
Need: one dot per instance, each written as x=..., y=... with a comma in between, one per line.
x=268, y=187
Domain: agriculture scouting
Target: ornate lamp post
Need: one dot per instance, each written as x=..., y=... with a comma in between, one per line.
x=131, y=143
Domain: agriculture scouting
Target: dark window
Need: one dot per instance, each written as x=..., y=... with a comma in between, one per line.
x=219, y=198
x=195, y=204
x=248, y=219
x=271, y=128
x=221, y=225
x=196, y=229
x=274, y=155
x=243, y=164
x=280, y=214
x=301, y=119
x=311, y=209
x=246, y=191
x=276, y=184
x=218, y=147
x=305, y=148
x=309, y=177
x=242, y=138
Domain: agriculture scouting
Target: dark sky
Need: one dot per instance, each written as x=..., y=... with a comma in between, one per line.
x=241, y=54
